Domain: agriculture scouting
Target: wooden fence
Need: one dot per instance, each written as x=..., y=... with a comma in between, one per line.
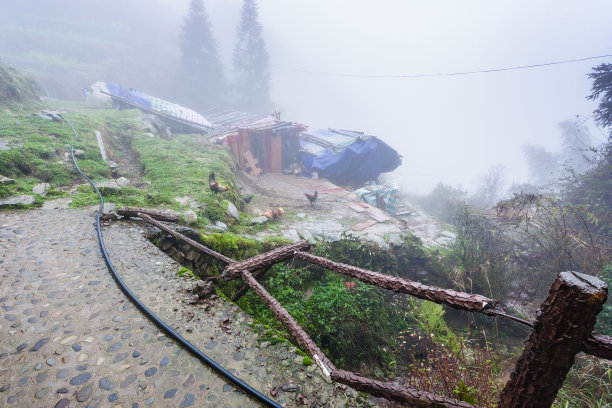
x=563, y=326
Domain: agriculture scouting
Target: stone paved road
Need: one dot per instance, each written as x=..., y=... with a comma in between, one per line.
x=70, y=338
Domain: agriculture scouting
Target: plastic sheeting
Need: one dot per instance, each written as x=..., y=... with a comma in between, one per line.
x=95, y=97
x=345, y=157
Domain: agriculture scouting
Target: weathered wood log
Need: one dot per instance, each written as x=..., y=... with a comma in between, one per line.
x=394, y=392
x=156, y=214
x=458, y=300
x=190, y=241
x=564, y=321
x=263, y=260
x=598, y=345
x=302, y=338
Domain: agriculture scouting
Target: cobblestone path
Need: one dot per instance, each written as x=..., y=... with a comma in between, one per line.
x=70, y=338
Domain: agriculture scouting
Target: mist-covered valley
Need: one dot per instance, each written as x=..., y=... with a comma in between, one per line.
x=499, y=114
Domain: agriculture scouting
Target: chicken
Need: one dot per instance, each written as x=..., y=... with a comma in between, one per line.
x=215, y=187
x=273, y=214
x=311, y=197
x=278, y=212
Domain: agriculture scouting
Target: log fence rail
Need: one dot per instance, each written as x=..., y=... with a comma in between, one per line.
x=562, y=329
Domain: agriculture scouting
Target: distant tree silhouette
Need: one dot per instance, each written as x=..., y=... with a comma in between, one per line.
x=251, y=62
x=202, y=83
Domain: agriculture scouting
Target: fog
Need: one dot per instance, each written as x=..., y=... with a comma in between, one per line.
x=448, y=128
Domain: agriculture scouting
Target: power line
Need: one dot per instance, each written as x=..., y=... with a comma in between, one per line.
x=483, y=71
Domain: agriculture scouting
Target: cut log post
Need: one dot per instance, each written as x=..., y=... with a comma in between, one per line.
x=458, y=300
x=269, y=258
x=394, y=392
x=598, y=345
x=190, y=241
x=167, y=216
x=565, y=320
x=302, y=338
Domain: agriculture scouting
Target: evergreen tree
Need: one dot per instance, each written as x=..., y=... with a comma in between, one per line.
x=251, y=62
x=202, y=83
x=602, y=91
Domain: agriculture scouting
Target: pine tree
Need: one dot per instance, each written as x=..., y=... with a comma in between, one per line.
x=202, y=83
x=251, y=62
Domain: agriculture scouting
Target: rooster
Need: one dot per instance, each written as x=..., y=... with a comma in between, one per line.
x=215, y=187
x=311, y=197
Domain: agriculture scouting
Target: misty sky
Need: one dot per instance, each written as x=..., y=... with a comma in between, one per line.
x=447, y=128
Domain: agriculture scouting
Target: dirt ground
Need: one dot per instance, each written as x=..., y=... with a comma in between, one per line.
x=330, y=215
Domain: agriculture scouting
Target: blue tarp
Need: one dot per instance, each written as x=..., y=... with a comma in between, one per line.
x=149, y=102
x=346, y=157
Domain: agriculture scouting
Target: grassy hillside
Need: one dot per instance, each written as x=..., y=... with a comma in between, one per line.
x=37, y=150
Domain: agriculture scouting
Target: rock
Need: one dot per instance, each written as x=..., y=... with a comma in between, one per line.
x=190, y=216
x=291, y=234
x=58, y=203
x=6, y=180
x=305, y=234
x=233, y=211
x=79, y=152
x=18, y=200
x=221, y=225
x=142, y=185
x=182, y=200
x=108, y=184
x=448, y=234
x=109, y=208
x=377, y=240
x=191, y=254
x=444, y=241
x=123, y=182
x=258, y=220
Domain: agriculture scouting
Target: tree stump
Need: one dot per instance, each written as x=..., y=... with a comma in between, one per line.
x=565, y=320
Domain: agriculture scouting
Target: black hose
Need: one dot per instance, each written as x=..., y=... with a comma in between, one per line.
x=163, y=326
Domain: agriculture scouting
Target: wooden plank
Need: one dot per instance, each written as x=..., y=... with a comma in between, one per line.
x=276, y=154
x=355, y=207
x=377, y=216
x=331, y=190
x=363, y=225
x=252, y=164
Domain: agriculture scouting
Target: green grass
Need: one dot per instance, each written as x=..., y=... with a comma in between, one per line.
x=40, y=152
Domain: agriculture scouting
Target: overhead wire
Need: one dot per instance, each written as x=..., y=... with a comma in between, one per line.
x=444, y=74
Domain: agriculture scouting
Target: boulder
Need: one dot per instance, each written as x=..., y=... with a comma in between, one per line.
x=221, y=225
x=108, y=184
x=291, y=234
x=123, y=182
x=233, y=211
x=258, y=220
x=18, y=200
x=142, y=185
x=182, y=200
x=6, y=180
x=190, y=216
x=305, y=234
x=41, y=189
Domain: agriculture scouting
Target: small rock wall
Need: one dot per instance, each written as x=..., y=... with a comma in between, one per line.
x=200, y=264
